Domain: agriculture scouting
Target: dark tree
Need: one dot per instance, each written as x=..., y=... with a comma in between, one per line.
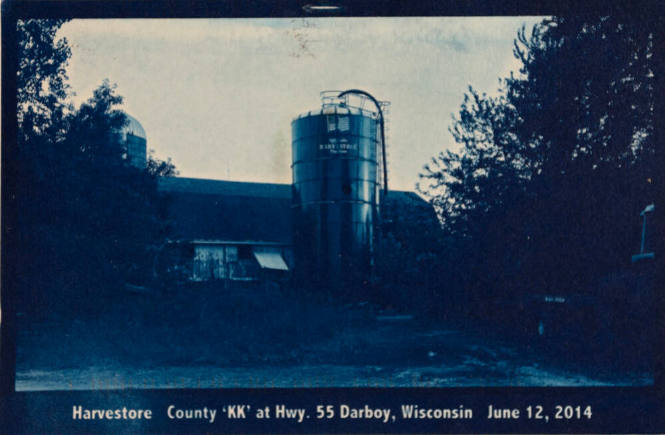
x=584, y=100
x=477, y=192
x=485, y=175
x=41, y=78
x=551, y=175
x=89, y=221
x=408, y=254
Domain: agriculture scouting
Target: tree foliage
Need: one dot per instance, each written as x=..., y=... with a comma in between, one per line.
x=552, y=173
x=486, y=175
x=408, y=254
x=89, y=221
x=41, y=77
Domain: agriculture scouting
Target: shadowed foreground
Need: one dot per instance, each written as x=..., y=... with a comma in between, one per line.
x=211, y=337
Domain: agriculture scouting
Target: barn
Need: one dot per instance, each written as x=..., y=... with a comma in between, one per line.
x=242, y=231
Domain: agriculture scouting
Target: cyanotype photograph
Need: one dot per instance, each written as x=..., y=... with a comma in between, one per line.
x=336, y=202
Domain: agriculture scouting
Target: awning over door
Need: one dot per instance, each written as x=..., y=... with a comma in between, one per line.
x=270, y=259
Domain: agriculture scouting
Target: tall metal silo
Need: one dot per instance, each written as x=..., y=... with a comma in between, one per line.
x=335, y=194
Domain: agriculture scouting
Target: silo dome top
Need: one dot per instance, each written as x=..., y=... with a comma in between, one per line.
x=133, y=127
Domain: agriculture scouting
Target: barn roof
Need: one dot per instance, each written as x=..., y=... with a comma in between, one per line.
x=228, y=210
x=202, y=186
x=203, y=209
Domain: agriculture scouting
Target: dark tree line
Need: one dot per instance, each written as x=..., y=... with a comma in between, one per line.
x=88, y=221
x=408, y=255
x=544, y=194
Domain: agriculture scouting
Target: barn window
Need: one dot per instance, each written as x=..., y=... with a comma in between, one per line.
x=245, y=252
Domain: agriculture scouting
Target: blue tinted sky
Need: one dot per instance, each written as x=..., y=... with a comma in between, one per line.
x=218, y=96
